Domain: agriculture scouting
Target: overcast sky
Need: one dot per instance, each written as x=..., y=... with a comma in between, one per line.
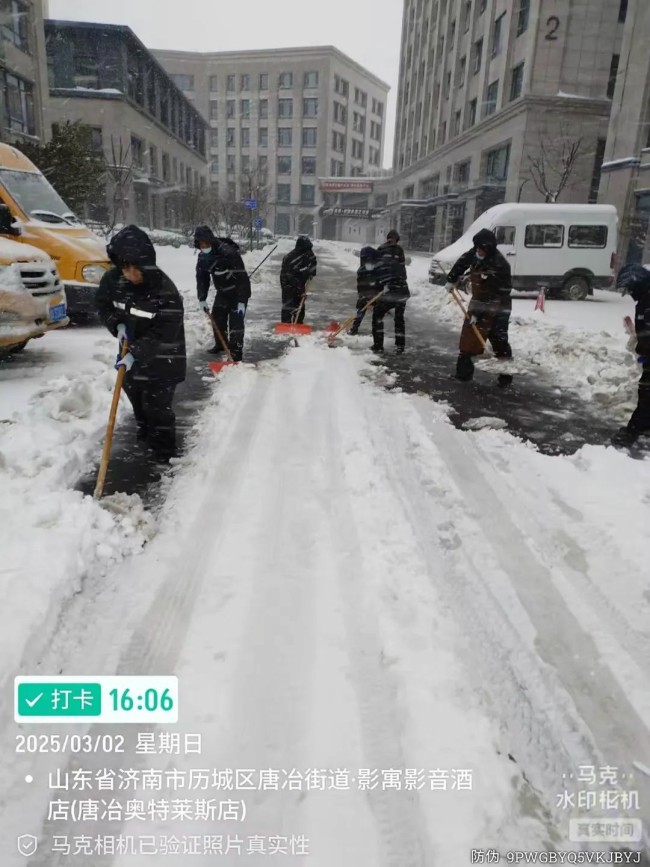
x=366, y=30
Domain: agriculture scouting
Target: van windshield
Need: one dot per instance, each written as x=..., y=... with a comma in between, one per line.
x=36, y=197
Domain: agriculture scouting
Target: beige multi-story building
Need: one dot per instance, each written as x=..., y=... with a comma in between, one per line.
x=497, y=98
x=153, y=138
x=625, y=178
x=23, y=69
x=280, y=119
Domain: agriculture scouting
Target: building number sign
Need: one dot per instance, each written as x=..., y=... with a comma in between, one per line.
x=552, y=23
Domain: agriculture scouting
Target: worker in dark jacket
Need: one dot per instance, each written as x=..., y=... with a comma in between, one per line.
x=391, y=276
x=490, y=306
x=367, y=284
x=219, y=260
x=634, y=280
x=298, y=268
x=139, y=304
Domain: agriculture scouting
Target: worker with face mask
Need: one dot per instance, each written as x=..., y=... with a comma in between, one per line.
x=367, y=284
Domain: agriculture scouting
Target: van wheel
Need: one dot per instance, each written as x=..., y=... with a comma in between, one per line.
x=575, y=289
x=18, y=347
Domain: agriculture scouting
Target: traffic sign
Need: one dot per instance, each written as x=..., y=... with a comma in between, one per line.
x=259, y=223
x=251, y=204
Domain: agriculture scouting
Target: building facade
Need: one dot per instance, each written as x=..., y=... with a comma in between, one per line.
x=500, y=100
x=152, y=137
x=23, y=78
x=279, y=120
x=625, y=178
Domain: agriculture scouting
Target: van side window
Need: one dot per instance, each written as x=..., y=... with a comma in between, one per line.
x=505, y=235
x=588, y=236
x=544, y=236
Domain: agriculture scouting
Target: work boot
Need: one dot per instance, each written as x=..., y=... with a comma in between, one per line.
x=216, y=350
x=143, y=432
x=354, y=330
x=504, y=380
x=464, y=368
x=378, y=350
x=399, y=350
x=624, y=438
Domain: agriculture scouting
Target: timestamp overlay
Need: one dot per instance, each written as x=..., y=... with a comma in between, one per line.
x=94, y=699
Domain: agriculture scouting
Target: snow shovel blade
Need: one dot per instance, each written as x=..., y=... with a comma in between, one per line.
x=218, y=366
x=292, y=328
x=332, y=327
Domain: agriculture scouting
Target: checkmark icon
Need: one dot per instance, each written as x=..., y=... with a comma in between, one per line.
x=34, y=701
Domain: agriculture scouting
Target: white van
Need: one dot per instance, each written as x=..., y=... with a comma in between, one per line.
x=569, y=249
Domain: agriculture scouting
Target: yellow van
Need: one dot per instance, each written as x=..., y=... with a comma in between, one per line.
x=46, y=222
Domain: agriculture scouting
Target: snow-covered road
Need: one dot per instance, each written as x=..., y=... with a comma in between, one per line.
x=348, y=585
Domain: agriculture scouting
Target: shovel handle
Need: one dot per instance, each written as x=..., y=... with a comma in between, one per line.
x=217, y=333
x=351, y=319
x=110, y=428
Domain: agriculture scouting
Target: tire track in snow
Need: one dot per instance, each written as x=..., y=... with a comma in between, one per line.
x=154, y=648
x=399, y=819
x=594, y=710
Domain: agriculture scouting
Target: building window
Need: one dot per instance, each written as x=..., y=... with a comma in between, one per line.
x=360, y=97
x=340, y=113
x=337, y=168
x=153, y=160
x=622, y=11
x=230, y=108
x=462, y=69
x=14, y=28
x=338, y=142
x=447, y=85
x=482, y=7
x=497, y=37
x=263, y=166
x=517, y=82
x=496, y=163
x=214, y=110
x=309, y=137
x=310, y=107
x=378, y=107
x=471, y=114
x=245, y=164
x=282, y=224
x=183, y=82
x=544, y=236
x=230, y=137
x=409, y=192
x=285, y=138
x=214, y=166
x=375, y=131
x=284, y=165
x=285, y=108
x=491, y=96
x=137, y=151
x=461, y=171
x=245, y=82
x=165, y=168
x=263, y=137
x=373, y=156
x=311, y=79
x=230, y=163
x=308, y=166
x=284, y=193
x=358, y=122
x=307, y=194
x=286, y=80
x=524, y=16
x=264, y=109
x=230, y=86
x=478, y=56
x=264, y=81
x=598, y=162
x=443, y=132
x=341, y=86
x=245, y=137
x=245, y=108
x=19, y=105
x=96, y=139
x=232, y=191
x=613, y=72
x=357, y=149
x=213, y=83
x=214, y=138
x=452, y=35
x=457, y=120
x=468, y=14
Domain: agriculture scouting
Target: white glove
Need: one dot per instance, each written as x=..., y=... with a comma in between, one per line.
x=128, y=361
x=449, y=287
x=631, y=343
x=205, y=307
x=121, y=331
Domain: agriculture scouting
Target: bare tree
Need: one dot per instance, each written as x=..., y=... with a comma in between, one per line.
x=119, y=171
x=552, y=167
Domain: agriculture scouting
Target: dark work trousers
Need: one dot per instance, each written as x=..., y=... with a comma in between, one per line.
x=232, y=327
x=362, y=300
x=493, y=326
x=379, y=310
x=152, y=408
x=640, y=420
x=290, y=304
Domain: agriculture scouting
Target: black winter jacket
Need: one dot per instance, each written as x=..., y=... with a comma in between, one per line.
x=157, y=343
x=368, y=284
x=224, y=265
x=642, y=325
x=494, y=273
x=298, y=267
x=391, y=272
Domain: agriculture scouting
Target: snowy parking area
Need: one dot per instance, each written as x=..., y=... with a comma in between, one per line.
x=343, y=580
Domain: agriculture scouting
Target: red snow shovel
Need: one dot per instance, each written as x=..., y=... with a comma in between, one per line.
x=470, y=319
x=108, y=442
x=218, y=366
x=294, y=327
